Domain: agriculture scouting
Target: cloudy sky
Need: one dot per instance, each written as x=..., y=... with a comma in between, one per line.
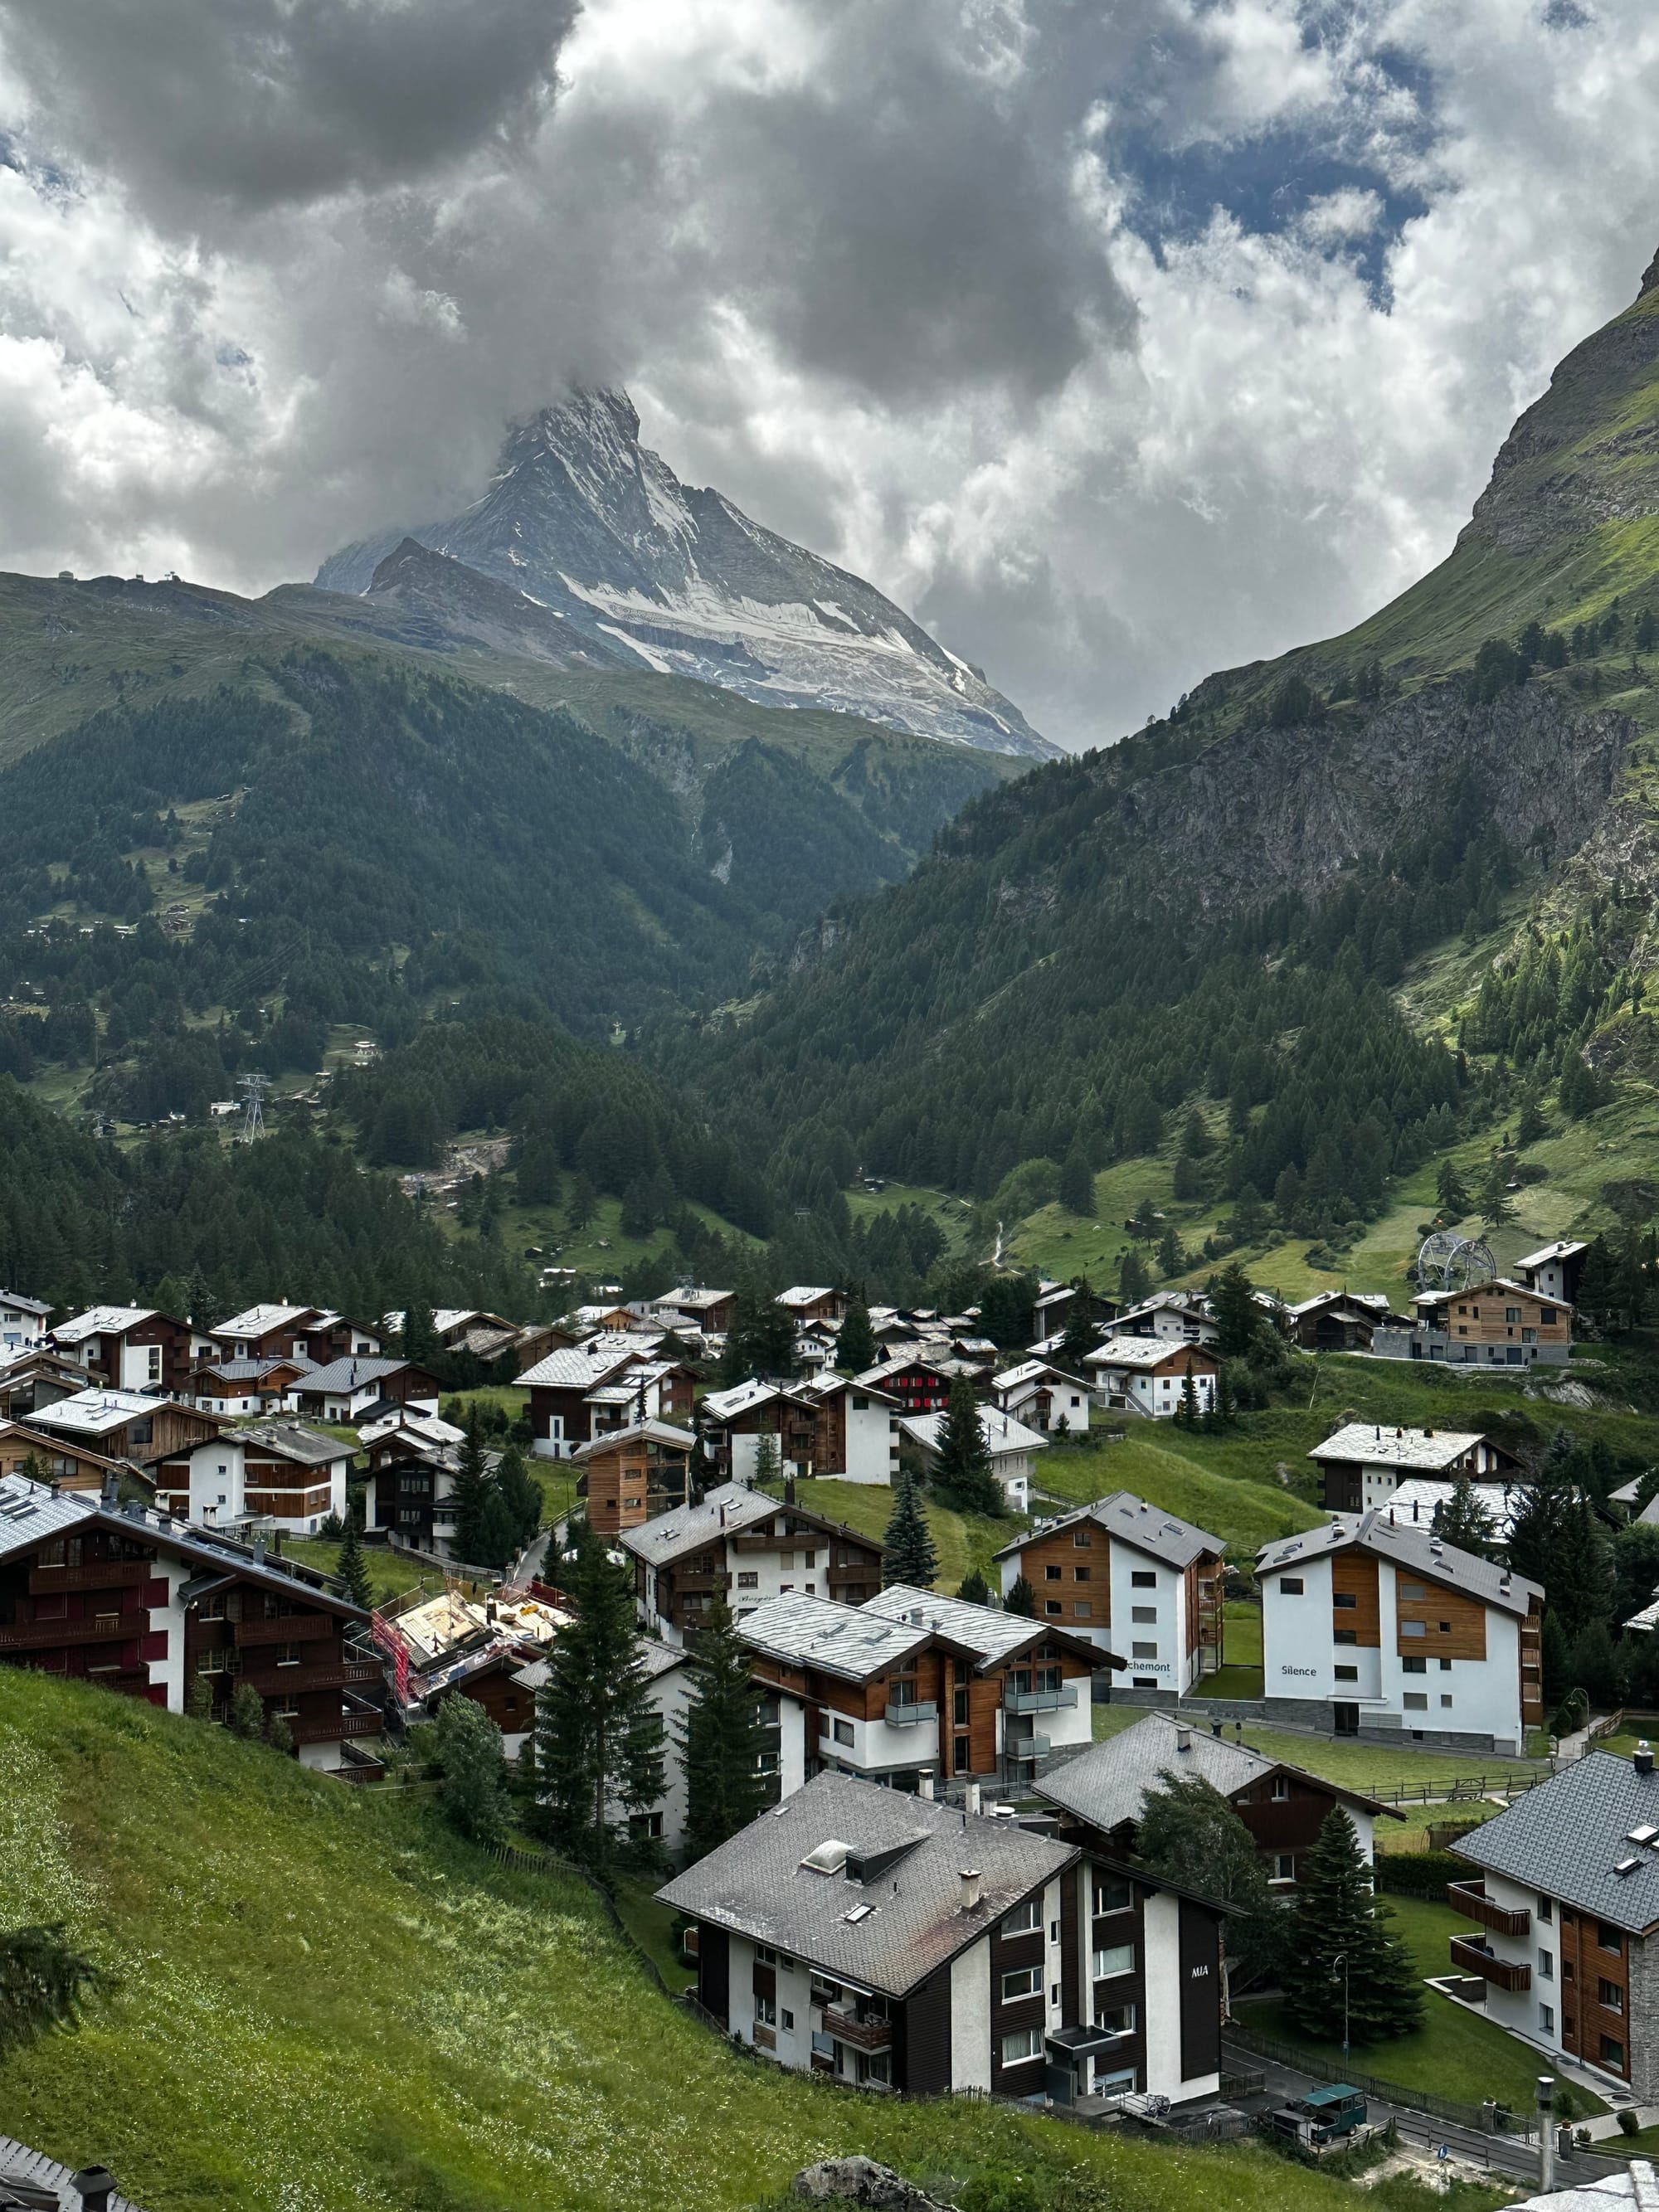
x=1120, y=340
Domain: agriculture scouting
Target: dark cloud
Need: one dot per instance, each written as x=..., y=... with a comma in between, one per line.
x=263, y=103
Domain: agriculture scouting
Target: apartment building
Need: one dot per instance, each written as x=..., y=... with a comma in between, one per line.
x=1363, y=1463
x=1564, y=1890
x=1148, y=1375
x=1131, y=1579
x=911, y=1686
x=1373, y=1626
x=1044, y=1397
x=751, y=1546
x=631, y=1475
x=274, y=1475
x=1496, y=1323
x=132, y=1348
x=889, y=1942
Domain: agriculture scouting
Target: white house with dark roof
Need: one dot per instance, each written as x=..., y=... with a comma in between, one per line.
x=1147, y=1375
x=1044, y=1397
x=1373, y=1626
x=1011, y=1447
x=1132, y=1580
x=1554, y=1270
x=888, y=1941
x=273, y=1474
x=1365, y=1463
x=22, y=1320
x=1564, y=1890
x=1173, y=1316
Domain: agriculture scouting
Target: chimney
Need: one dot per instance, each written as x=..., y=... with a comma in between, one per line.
x=972, y=1799
x=95, y=2185
x=1183, y=1738
x=925, y=1788
x=1642, y=1758
x=969, y=1879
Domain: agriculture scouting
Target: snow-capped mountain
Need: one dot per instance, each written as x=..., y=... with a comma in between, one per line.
x=595, y=527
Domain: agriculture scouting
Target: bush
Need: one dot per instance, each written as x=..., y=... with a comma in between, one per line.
x=1418, y=1874
x=1628, y=2123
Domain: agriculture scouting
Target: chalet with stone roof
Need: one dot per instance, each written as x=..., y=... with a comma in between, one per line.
x=1131, y=1579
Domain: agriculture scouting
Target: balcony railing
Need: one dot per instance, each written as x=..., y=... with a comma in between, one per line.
x=862, y=2035
x=906, y=1715
x=42, y=1635
x=1501, y=1974
x=1472, y=1901
x=102, y=1574
x=1039, y=1701
x=351, y=1723
x=271, y=1681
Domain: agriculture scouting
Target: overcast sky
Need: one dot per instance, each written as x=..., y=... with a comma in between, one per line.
x=1119, y=340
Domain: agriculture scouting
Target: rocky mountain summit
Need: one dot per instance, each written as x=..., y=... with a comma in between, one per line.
x=612, y=553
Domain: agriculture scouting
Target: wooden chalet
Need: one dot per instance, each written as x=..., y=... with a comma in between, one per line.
x=633, y=1475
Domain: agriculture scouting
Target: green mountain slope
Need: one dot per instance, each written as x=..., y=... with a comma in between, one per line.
x=326, y=2000
x=1265, y=961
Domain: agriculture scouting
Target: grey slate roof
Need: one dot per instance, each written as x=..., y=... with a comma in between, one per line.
x=1130, y=1520
x=755, y=1885
x=1106, y=1784
x=1427, y=1450
x=656, y=1433
x=575, y=1367
x=728, y=1510
x=1566, y=1837
x=294, y=1442
x=351, y=1373
x=992, y=1636
x=838, y=1640
x=1410, y=1547
x=30, y=2177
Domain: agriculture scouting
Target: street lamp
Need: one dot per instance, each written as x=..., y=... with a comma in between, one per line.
x=1341, y=1959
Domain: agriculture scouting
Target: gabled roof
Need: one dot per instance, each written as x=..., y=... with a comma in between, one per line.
x=258, y=1321
x=1569, y=1836
x=1146, y=1352
x=577, y=1366
x=819, y=1387
x=1130, y=1520
x=95, y=1412
x=1564, y=1248
x=289, y=1441
x=688, y=1300
x=1429, y=1298
x=16, y=1299
x=742, y=1398
x=1106, y=1784
x=355, y=1372
x=728, y=1510
x=29, y=2179
x=1372, y=1304
x=255, y=1370
x=1363, y=1442
x=1005, y=1437
x=103, y=1320
x=1183, y=1301
x=803, y=1294
x=993, y=1637
x=654, y=1433
x=1034, y=1370
x=887, y=1934
x=837, y=1640
x=1415, y=1549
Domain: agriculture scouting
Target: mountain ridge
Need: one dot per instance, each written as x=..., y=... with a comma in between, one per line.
x=596, y=528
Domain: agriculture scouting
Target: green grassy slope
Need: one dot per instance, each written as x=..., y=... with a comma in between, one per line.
x=326, y=2001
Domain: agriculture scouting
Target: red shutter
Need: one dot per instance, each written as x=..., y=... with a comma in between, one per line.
x=155, y=1594
x=154, y=1646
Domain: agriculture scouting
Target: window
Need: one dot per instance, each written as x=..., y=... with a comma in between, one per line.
x=287, y=1655
x=645, y=1826
x=1082, y=1539
x=959, y=1759
x=1609, y=1939
x=1413, y=1590
x=1083, y=1610
x=823, y=1724
x=1413, y=1628
x=1116, y=2020
x=1024, y=2045
x=1022, y=1982
x=1546, y=1314
x=1415, y=1702
x=1547, y=2019
x=1445, y=1666
x=1143, y=1650
x=1143, y=1578
x=1345, y=1635
x=1445, y=1701
x=1024, y=1918
x=843, y=1731
x=1114, y=1959
x=766, y=2011
x=1111, y=1896
x=1547, y=1965
x=750, y=1580
x=1147, y=1613
x=1052, y=1605
x=1512, y=1313
x=1346, y=1673
x=1345, y=1602
x=1414, y=1666
x=1079, y=1574
x=1051, y=1574
x=1609, y=1995
x=1284, y=1866
x=787, y=2020
x=1281, y=1789
x=1546, y=1910
x=1613, y=2051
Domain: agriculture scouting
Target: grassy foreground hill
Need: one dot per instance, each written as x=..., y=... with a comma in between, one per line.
x=326, y=2001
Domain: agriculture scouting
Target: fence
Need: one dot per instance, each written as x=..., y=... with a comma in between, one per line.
x=550, y=1863
x=1484, y=2119
x=1461, y=1789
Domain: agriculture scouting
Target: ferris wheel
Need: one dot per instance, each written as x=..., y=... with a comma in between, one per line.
x=1447, y=1262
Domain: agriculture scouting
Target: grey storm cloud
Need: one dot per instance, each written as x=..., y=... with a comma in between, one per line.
x=268, y=102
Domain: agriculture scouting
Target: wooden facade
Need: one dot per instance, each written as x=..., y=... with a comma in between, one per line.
x=629, y=1480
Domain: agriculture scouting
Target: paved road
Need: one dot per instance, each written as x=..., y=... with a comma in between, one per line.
x=1508, y=2154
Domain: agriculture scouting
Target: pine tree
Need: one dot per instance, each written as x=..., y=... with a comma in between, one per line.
x=1189, y=1833
x=45, y=1984
x=760, y=1340
x=1452, y=1193
x=1020, y=1598
x=247, y=1712
x=1171, y=1260
x=1187, y=1413
x=1338, y=1917
x=1496, y=1210
x=1077, y=1184
x=469, y=1499
x=769, y=1460
x=1531, y=1127
x=1462, y=1520
x=351, y=1568
x=973, y=1588
x=855, y=1346
x=720, y=1739
x=1082, y=1331
x=599, y=1738
x=1556, y=1541
x=911, y=1556
x=1133, y=1282
x=469, y=1748
x=962, y=1468
x=1237, y=1316
x=521, y=1496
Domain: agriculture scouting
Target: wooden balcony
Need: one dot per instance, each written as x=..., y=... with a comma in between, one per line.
x=1471, y=1900
x=355, y=1722
x=1501, y=1974
x=102, y=1574
x=293, y=1628
x=685, y=1581
x=750, y=1547
x=861, y=2035
x=275, y=1681
x=43, y=1635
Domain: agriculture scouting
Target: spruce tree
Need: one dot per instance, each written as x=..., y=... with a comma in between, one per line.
x=1171, y=1260
x=1556, y=1541
x=1133, y=1282
x=350, y=1566
x=247, y=1712
x=855, y=1346
x=1452, y=1193
x=973, y=1588
x=721, y=1738
x=599, y=1738
x=1021, y=1598
x=469, y=1747
x=1082, y=1331
x=1462, y=1519
x=1077, y=1184
x=1186, y=1412
x=44, y=1983
x=769, y=1460
x=1338, y=1917
x=1497, y=1211
x=961, y=1469
x=1237, y=1316
x=521, y=1496
x=1189, y=1833
x=470, y=1497
x=911, y=1556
